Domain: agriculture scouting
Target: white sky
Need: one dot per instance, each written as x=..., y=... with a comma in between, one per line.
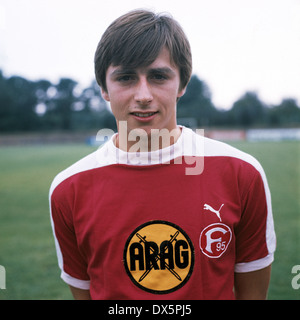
x=237, y=45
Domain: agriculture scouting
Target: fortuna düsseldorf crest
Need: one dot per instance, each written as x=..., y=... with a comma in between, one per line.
x=159, y=257
x=214, y=239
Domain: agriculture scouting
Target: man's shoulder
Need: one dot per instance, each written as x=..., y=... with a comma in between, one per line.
x=87, y=163
x=97, y=159
x=195, y=143
x=214, y=148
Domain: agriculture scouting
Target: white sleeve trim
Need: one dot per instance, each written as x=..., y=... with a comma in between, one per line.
x=80, y=284
x=254, y=265
x=216, y=148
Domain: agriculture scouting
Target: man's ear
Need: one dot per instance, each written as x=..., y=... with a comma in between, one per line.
x=181, y=92
x=105, y=95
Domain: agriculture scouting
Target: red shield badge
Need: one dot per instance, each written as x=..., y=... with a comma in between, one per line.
x=214, y=239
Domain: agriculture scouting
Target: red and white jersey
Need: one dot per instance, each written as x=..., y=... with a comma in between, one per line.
x=171, y=224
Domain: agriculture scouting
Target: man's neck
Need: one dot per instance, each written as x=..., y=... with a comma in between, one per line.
x=138, y=140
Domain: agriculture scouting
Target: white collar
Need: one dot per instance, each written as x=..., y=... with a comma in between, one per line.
x=188, y=144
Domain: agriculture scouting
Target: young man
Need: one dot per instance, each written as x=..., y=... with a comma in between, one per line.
x=159, y=212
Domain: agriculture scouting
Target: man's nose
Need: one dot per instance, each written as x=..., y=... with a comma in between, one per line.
x=143, y=93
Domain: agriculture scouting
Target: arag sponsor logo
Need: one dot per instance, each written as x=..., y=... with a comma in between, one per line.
x=159, y=257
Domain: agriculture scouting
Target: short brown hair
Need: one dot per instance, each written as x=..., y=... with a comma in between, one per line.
x=136, y=39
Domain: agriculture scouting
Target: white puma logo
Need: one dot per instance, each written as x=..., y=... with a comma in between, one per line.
x=207, y=207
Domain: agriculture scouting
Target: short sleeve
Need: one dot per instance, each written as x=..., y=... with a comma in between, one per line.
x=255, y=235
x=71, y=262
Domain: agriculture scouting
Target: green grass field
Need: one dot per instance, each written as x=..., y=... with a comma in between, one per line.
x=26, y=244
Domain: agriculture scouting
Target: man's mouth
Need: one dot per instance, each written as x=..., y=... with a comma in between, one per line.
x=144, y=114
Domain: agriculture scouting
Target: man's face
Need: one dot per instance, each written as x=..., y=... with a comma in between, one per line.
x=145, y=97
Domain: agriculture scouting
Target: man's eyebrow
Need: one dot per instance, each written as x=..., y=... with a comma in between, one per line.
x=122, y=71
x=165, y=70
x=128, y=71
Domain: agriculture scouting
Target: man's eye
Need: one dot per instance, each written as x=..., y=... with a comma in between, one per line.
x=125, y=78
x=159, y=77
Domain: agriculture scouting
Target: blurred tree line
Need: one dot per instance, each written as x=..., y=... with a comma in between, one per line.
x=248, y=111
x=43, y=106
